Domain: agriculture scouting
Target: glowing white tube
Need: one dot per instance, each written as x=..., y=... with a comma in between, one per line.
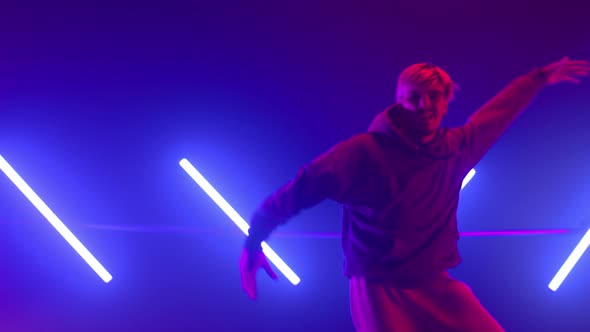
x=570, y=262
x=54, y=220
x=468, y=178
x=237, y=219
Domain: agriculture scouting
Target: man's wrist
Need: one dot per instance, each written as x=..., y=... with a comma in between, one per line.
x=539, y=75
x=252, y=243
x=260, y=228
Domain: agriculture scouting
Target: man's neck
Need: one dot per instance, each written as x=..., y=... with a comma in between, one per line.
x=418, y=139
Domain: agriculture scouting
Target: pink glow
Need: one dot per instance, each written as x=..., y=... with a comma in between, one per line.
x=523, y=232
x=318, y=235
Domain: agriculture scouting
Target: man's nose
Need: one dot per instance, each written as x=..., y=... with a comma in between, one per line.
x=425, y=102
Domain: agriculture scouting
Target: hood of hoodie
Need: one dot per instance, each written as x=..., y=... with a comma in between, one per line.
x=440, y=147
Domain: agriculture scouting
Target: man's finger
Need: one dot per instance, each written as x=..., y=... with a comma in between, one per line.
x=247, y=282
x=269, y=271
x=579, y=73
x=571, y=79
x=579, y=68
x=253, y=284
x=579, y=62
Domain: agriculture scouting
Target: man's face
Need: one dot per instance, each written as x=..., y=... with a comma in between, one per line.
x=427, y=105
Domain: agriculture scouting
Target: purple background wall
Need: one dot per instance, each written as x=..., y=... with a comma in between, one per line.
x=99, y=101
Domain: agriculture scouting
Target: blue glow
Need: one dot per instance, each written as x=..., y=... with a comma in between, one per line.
x=54, y=220
x=237, y=219
x=570, y=262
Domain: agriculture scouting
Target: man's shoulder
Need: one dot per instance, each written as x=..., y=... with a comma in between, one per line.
x=362, y=145
x=455, y=137
x=363, y=140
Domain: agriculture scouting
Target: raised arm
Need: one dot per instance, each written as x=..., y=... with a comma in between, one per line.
x=488, y=123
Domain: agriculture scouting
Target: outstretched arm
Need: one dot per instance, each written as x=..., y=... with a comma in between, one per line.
x=333, y=175
x=489, y=122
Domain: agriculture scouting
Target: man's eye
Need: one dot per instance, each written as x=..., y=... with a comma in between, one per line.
x=436, y=96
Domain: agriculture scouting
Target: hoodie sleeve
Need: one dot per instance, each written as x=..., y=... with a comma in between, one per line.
x=488, y=123
x=332, y=175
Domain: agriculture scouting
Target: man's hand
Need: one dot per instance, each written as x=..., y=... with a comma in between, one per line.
x=565, y=70
x=250, y=261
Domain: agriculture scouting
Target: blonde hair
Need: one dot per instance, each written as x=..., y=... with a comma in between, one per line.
x=425, y=73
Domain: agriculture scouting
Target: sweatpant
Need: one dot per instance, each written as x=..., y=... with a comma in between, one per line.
x=444, y=304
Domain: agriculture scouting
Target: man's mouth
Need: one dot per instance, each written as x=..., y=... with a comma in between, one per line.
x=428, y=117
